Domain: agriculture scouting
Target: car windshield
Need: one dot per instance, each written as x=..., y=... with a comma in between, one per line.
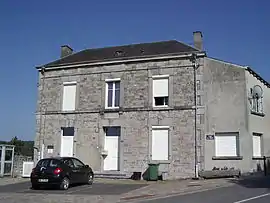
x=48, y=163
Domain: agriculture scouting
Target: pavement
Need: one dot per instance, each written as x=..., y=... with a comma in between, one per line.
x=122, y=191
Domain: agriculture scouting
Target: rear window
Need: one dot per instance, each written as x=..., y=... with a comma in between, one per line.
x=49, y=163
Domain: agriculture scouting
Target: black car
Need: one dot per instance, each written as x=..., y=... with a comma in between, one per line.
x=61, y=172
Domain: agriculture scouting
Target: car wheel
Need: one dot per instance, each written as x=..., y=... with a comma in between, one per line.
x=90, y=179
x=64, y=184
x=35, y=187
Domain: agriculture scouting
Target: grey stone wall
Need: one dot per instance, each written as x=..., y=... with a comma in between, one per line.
x=136, y=116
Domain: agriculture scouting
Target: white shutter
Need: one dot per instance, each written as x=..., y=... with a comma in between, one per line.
x=226, y=145
x=257, y=152
x=160, y=144
x=69, y=97
x=160, y=87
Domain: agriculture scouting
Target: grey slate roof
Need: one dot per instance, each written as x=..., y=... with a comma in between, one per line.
x=125, y=52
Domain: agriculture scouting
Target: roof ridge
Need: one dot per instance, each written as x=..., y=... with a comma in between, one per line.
x=131, y=44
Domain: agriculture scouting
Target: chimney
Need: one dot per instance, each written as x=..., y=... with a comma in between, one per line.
x=66, y=51
x=197, y=38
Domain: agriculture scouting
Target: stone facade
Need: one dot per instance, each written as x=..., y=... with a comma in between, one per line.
x=18, y=164
x=136, y=115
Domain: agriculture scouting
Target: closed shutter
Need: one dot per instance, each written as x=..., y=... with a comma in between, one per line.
x=160, y=144
x=69, y=97
x=160, y=87
x=257, y=151
x=226, y=144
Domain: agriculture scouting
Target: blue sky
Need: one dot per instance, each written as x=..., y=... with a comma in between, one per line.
x=31, y=33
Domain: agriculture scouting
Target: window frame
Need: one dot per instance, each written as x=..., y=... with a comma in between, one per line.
x=237, y=144
x=167, y=128
x=65, y=84
x=160, y=77
x=261, y=144
x=75, y=165
x=107, y=81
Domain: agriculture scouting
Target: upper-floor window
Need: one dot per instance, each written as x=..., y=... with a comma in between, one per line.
x=69, y=96
x=160, y=91
x=256, y=102
x=112, y=93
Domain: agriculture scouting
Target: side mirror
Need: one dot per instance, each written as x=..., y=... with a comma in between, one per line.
x=86, y=166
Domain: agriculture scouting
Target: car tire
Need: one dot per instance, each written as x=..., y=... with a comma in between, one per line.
x=35, y=187
x=64, y=184
x=90, y=178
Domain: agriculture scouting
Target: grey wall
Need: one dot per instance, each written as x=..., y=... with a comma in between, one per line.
x=136, y=116
x=256, y=123
x=225, y=100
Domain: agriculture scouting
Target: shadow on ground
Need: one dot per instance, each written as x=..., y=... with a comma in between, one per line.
x=253, y=182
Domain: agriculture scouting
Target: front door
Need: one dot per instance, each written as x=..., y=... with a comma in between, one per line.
x=111, y=145
x=67, y=140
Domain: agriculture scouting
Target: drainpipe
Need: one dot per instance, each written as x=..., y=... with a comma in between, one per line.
x=41, y=138
x=195, y=65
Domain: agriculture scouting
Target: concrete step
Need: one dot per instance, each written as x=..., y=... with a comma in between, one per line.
x=112, y=175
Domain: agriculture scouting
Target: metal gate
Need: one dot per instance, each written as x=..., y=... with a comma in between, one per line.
x=6, y=160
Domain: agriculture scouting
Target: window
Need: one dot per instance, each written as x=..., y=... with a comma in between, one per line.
x=112, y=131
x=113, y=93
x=198, y=82
x=69, y=163
x=48, y=163
x=257, y=147
x=256, y=103
x=160, y=91
x=77, y=163
x=160, y=143
x=226, y=144
x=201, y=118
x=199, y=100
x=69, y=96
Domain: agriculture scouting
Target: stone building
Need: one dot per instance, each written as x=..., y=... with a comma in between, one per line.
x=120, y=108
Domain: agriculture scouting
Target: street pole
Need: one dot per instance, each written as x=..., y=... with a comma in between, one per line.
x=41, y=140
x=195, y=67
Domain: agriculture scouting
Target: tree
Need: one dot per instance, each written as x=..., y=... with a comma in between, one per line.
x=25, y=148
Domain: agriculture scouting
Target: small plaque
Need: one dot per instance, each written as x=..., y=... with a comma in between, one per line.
x=210, y=137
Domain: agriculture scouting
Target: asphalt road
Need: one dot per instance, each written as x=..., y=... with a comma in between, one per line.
x=249, y=191
x=95, y=189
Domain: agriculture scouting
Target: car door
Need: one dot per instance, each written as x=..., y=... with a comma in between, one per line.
x=73, y=173
x=81, y=170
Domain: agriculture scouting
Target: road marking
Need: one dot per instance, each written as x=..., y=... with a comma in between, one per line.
x=252, y=198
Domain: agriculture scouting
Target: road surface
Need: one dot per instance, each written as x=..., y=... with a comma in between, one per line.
x=249, y=191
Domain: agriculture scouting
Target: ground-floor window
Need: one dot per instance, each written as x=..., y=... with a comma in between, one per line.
x=227, y=144
x=257, y=146
x=160, y=143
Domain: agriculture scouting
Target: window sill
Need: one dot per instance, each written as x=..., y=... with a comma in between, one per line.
x=111, y=110
x=159, y=162
x=257, y=113
x=257, y=158
x=227, y=158
x=160, y=107
x=68, y=111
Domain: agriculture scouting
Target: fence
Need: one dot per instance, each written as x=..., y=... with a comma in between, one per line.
x=6, y=160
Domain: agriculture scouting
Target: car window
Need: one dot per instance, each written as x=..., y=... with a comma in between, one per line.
x=48, y=163
x=77, y=163
x=69, y=163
